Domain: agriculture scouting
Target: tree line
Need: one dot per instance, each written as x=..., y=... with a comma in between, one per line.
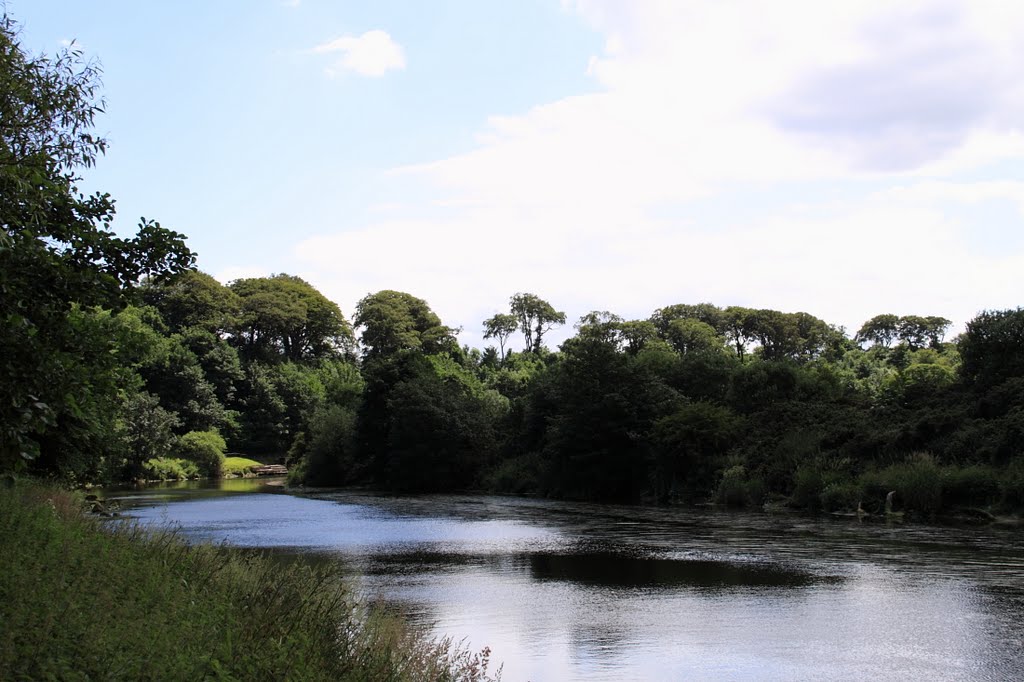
x=120, y=360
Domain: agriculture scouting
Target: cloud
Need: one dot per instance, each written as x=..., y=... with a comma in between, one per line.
x=231, y=273
x=373, y=53
x=826, y=157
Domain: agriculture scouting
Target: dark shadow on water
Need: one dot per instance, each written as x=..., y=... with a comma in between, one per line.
x=611, y=569
x=605, y=568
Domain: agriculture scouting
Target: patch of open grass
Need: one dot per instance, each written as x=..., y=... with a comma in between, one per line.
x=83, y=601
x=237, y=466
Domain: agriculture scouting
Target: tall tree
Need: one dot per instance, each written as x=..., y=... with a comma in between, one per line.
x=879, y=330
x=193, y=299
x=536, y=318
x=500, y=327
x=393, y=321
x=992, y=348
x=918, y=331
x=57, y=248
x=285, y=317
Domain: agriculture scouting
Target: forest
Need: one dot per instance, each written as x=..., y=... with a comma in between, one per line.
x=120, y=360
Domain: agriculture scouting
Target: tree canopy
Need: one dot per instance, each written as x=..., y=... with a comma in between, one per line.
x=58, y=251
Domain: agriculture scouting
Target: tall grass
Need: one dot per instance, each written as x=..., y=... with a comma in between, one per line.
x=79, y=601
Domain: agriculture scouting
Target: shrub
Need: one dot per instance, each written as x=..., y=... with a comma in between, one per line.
x=807, y=487
x=917, y=482
x=517, y=475
x=169, y=469
x=973, y=486
x=205, y=448
x=1012, y=487
x=736, y=489
x=840, y=496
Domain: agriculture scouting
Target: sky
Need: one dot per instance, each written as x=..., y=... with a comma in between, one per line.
x=842, y=158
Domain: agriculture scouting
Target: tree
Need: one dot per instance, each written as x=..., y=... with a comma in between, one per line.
x=917, y=331
x=880, y=330
x=536, y=317
x=193, y=299
x=393, y=321
x=688, y=445
x=992, y=348
x=737, y=327
x=690, y=335
x=57, y=248
x=283, y=317
x=707, y=313
x=500, y=327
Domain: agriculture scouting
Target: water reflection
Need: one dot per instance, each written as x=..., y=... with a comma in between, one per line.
x=571, y=592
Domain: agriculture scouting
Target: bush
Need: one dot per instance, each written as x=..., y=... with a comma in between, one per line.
x=1012, y=487
x=840, y=496
x=517, y=475
x=206, y=449
x=808, y=485
x=917, y=482
x=736, y=489
x=169, y=469
x=973, y=486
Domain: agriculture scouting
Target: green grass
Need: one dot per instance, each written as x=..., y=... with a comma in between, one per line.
x=80, y=600
x=236, y=466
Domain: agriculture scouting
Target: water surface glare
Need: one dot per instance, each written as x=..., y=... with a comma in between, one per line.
x=564, y=591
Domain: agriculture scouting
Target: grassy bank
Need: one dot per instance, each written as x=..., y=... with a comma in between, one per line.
x=83, y=601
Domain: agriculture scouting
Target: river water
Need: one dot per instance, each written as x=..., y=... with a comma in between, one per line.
x=567, y=591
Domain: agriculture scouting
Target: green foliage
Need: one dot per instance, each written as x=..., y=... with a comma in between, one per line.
x=169, y=469
x=880, y=330
x=147, y=431
x=84, y=601
x=205, y=449
x=971, y=486
x=709, y=314
x=1012, y=486
x=690, y=336
x=917, y=483
x=284, y=317
x=841, y=495
x=688, y=444
x=500, y=327
x=394, y=321
x=808, y=485
x=913, y=330
x=992, y=348
x=193, y=299
x=440, y=428
x=738, y=489
x=328, y=448
x=536, y=317
x=58, y=254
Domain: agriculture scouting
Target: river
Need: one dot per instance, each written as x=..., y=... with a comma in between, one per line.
x=569, y=591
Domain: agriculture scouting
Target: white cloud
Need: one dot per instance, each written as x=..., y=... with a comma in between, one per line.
x=231, y=273
x=856, y=125
x=373, y=53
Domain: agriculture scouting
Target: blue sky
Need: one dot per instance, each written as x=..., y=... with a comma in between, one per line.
x=844, y=158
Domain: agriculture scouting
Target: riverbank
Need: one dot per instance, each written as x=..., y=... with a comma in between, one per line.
x=85, y=599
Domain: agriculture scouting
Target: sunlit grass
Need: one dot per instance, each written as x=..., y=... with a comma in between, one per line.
x=237, y=466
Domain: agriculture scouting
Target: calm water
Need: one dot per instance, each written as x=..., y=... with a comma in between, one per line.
x=564, y=591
